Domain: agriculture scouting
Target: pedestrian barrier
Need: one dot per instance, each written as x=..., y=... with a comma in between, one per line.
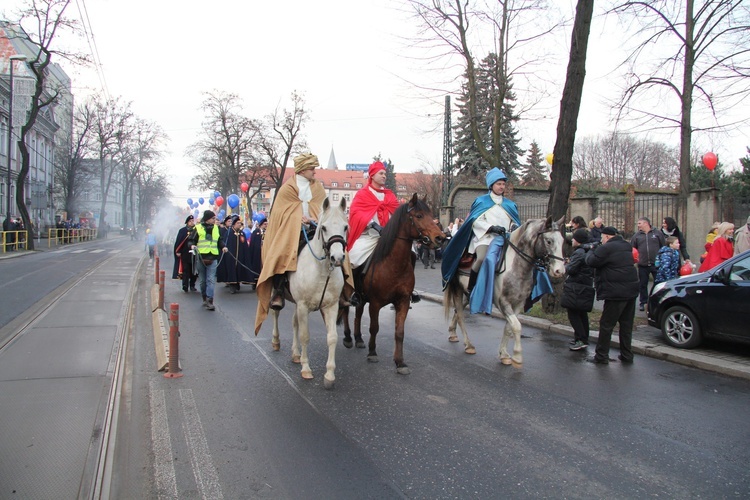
x=174, y=334
x=14, y=240
x=161, y=289
x=61, y=236
x=156, y=270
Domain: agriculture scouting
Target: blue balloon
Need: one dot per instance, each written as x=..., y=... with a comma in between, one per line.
x=259, y=216
x=189, y=201
x=195, y=213
x=201, y=200
x=233, y=200
x=216, y=194
x=221, y=214
x=247, y=232
x=211, y=201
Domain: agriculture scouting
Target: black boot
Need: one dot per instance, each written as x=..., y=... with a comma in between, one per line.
x=277, y=296
x=472, y=281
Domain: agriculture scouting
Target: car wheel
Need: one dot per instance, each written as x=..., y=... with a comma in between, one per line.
x=681, y=328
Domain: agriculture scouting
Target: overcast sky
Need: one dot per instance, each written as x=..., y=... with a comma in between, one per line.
x=348, y=58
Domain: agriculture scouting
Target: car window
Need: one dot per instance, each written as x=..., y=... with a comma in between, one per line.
x=740, y=270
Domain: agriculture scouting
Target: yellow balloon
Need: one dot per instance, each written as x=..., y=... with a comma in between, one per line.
x=550, y=157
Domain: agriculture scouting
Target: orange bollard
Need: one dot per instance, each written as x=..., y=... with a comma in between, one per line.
x=156, y=270
x=173, y=369
x=161, y=290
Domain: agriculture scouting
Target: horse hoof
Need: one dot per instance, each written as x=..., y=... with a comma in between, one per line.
x=516, y=364
x=276, y=346
x=505, y=361
x=372, y=359
x=470, y=350
x=328, y=384
x=307, y=375
x=453, y=338
x=360, y=344
x=348, y=344
x=403, y=370
x=295, y=359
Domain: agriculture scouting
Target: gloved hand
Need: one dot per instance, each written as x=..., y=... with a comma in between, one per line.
x=374, y=225
x=497, y=230
x=591, y=246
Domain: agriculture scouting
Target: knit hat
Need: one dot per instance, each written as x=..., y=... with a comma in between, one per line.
x=228, y=217
x=494, y=175
x=581, y=235
x=375, y=167
x=189, y=218
x=609, y=230
x=305, y=161
x=208, y=214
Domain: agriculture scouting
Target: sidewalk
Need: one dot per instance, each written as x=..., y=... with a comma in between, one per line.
x=647, y=341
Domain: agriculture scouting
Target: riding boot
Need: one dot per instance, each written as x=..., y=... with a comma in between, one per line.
x=354, y=298
x=277, y=296
x=472, y=281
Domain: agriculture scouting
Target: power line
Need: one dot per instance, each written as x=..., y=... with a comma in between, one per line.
x=91, y=40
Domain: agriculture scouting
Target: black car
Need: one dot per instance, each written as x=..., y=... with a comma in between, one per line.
x=712, y=304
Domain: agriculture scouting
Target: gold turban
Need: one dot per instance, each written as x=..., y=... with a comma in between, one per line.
x=305, y=161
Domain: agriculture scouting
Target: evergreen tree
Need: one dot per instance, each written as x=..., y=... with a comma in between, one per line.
x=534, y=173
x=390, y=174
x=501, y=143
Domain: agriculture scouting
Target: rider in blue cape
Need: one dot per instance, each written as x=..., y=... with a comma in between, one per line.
x=483, y=233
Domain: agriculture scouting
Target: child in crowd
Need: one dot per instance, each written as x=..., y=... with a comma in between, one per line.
x=668, y=260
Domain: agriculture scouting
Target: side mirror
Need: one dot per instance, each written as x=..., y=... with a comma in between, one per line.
x=722, y=276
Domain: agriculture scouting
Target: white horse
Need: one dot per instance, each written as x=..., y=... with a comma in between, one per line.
x=537, y=241
x=316, y=285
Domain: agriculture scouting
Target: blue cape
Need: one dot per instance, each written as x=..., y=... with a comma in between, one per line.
x=460, y=242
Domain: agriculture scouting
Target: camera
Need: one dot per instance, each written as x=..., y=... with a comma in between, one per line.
x=591, y=245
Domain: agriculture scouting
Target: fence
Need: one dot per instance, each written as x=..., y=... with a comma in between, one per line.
x=14, y=240
x=624, y=214
x=60, y=236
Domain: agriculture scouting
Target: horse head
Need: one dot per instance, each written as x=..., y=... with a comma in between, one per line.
x=548, y=246
x=333, y=228
x=423, y=227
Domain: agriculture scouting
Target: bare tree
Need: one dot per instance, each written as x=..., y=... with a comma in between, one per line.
x=281, y=137
x=570, y=105
x=48, y=19
x=698, y=57
x=72, y=175
x=228, y=147
x=153, y=189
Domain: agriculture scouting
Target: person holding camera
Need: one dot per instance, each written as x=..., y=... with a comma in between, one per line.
x=617, y=285
x=578, y=290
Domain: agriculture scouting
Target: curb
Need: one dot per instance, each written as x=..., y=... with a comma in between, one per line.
x=684, y=357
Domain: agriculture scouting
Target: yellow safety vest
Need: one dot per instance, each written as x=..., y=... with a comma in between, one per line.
x=206, y=246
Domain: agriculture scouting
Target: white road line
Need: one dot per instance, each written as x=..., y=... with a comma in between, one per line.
x=97, y=251
x=206, y=476
x=161, y=445
x=78, y=251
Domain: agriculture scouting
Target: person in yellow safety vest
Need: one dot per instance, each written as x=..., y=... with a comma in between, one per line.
x=205, y=239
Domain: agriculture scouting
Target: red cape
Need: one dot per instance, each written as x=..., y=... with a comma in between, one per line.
x=363, y=207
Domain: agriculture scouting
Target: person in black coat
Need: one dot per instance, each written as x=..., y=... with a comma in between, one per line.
x=234, y=266
x=183, y=258
x=669, y=228
x=254, y=250
x=578, y=290
x=617, y=285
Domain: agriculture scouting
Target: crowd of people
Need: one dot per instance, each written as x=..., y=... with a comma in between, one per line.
x=11, y=238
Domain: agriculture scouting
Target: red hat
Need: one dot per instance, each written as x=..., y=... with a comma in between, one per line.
x=375, y=168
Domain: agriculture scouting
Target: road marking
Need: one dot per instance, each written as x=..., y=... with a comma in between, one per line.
x=78, y=251
x=206, y=476
x=161, y=445
x=97, y=251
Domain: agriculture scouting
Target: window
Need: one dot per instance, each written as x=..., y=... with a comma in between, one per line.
x=347, y=197
x=335, y=197
x=402, y=188
x=359, y=185
x=346, y=185
x=740, y=270
x=334, y=184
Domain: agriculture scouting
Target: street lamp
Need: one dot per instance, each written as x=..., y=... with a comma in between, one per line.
x=16, y=57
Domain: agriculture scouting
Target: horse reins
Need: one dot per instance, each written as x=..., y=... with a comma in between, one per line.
x=336, y=238
x=540, y=262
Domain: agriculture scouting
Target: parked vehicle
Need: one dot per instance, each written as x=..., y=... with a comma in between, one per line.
x=712, y=304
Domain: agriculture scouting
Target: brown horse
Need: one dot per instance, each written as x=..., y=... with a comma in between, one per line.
x=389, y=279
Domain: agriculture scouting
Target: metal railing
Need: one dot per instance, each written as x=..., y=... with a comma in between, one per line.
x=61, y=236
x=15, y=240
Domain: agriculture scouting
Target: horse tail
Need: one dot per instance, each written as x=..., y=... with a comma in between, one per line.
x=452, y=297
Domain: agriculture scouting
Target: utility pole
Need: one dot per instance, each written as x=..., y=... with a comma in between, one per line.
x=447, y=174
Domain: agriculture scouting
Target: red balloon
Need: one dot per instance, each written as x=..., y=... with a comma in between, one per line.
x=244, y=187
x=710, y=160
x=635, y=255
x=219, y=201
x=686, y=269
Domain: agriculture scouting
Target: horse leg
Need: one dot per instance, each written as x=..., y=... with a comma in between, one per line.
x=302, y=330
x=295, y=336
x=372, y=356
x=402, y=309
x=330, y=376
x=460, y=304
x=512, y=326
x=343, y=317
x=358, y=312
x=275, y=342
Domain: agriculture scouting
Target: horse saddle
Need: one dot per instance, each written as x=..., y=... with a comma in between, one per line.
x=467, y=259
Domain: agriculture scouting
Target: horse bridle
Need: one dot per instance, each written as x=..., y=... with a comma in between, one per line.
x=538, y=261
x=327, y=244
x=424, y=239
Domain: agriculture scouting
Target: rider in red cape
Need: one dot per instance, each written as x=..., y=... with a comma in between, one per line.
x=372, y=204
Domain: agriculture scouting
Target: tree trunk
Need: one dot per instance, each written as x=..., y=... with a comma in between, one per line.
x=570, y=104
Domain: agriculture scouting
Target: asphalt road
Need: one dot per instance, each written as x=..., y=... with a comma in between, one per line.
x=242, y=423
